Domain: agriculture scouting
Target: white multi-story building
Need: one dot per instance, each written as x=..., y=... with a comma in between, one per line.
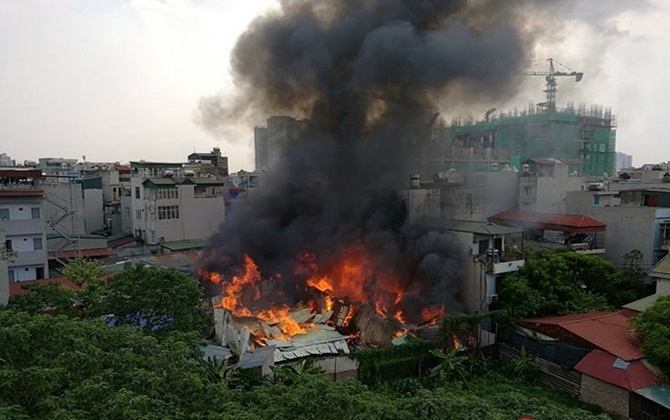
x=22, y=226
x=164, y=203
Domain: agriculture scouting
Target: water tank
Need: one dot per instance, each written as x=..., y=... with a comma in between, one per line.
x=168, y=174
x=415, y=181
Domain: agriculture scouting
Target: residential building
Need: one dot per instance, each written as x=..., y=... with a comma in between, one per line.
x=610, y=367
x=623, y=161
x=477, y=195
x=23, y=225
x=487, y=252
x=660, y=273
x=635, y=219
x=546, y=231
x=6, y=161
x=108, y=177
x=543, y=184
x=210, y=163
x=162, y=203
x=272, y=141
x=59, y=169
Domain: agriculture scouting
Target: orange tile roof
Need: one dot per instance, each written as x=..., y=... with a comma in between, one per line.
x=553, y=221
x=16, y=287
x=609, y=331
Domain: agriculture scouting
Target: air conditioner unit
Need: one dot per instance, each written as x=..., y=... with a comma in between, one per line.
x=491, y=298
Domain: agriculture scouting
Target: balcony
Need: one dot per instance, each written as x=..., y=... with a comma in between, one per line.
x=20, y=189
x=501, y=263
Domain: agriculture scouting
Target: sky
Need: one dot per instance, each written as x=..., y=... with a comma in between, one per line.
x=120, y=80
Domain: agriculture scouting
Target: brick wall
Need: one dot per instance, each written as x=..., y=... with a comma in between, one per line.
x=610, y=397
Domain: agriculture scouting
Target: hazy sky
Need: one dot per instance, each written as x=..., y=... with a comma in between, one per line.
x=121, y=79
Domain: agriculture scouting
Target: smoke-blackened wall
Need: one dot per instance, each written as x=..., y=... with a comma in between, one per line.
x=367, y=74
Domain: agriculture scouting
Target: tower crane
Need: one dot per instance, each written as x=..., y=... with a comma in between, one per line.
x=550, y=77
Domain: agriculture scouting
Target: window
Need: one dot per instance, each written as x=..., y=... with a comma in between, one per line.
x=167, y=193
x=8, y=244
x=35, y=212
x=137, y=192
x=596, y=200
x=39, y=272
x=138, y=214
x=527, y=190
x=127, y=211
x=37, y=244
x=168, y=212
x=4, y=214
x=11, y=275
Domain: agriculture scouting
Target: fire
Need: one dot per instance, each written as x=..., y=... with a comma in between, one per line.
x=349, y=278
x=320, y=283
x=283, y=319
x=329, y=303
x=432, y=314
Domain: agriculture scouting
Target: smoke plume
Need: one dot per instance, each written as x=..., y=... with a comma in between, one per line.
x=367, y=74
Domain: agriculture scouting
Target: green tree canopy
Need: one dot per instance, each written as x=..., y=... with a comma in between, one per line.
x=72, y=368
x=653, y=327
x=65, y=367
x=555, y=283
x=157, y=299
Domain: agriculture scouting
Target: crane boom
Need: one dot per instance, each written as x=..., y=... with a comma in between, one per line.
x=550, y=77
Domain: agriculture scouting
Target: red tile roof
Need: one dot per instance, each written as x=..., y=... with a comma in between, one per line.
x=604, y=366
x=16, y=288
x=90, y=253
x=608, y=331
x=561, y=222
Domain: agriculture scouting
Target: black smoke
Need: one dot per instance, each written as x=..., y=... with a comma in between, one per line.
x=367, y=74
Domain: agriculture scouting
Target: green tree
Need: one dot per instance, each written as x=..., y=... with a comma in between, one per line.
x=557, y=283
x=153, y=298
x=51, y=297
x=451, y=366
x=653, y=329
x=59, y=367
x=157, y=299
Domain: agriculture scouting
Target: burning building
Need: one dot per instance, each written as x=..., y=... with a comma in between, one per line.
x=326, y=245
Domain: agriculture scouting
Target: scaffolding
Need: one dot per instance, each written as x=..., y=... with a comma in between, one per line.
x=584, y=136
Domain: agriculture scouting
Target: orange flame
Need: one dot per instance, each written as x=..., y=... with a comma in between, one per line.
x=457, y=342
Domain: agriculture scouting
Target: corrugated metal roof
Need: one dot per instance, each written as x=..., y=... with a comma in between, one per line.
x=641, y=305
x=658, y=394
x=184, y=245
x=662, y=269
x=256, y=357
x=318, y=340
x=468, y=226
x=608, y=331
x=552, y=221
x=218, y=353
x=613, y=370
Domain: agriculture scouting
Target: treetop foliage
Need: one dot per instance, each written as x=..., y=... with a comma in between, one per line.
x=653, y=328
x=556, y=283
